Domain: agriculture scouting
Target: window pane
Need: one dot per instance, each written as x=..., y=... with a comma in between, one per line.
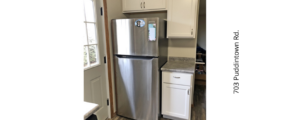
x=86, y=63
x=91, y=33
x=94, y=54
x=84, y=36
x=89, y=10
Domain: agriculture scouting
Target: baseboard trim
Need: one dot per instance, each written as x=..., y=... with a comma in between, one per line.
x=114, y=115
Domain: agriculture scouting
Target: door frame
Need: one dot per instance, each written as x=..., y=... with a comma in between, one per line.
x=108, y=63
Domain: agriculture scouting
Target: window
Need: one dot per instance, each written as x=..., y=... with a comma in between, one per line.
x=90, y=38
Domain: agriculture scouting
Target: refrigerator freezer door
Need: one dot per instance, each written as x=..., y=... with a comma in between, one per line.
x=136, y=36
x=137, y=88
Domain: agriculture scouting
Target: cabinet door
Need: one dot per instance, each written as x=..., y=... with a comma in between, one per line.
x=132, y=5
x=154, y=4
x=175, y=100
x=181, y=18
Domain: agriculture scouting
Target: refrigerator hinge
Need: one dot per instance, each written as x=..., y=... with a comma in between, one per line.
x=107, y=102
x=105, y=59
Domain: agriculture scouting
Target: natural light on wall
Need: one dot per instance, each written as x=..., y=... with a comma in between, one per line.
x=91, y=50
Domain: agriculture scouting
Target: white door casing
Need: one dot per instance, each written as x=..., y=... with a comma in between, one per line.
x=95, y=78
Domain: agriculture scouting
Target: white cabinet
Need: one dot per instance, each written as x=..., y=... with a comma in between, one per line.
x=155, y=4
x=176, y=95
x=182, y=18
x=175, y=100
x=131, y=6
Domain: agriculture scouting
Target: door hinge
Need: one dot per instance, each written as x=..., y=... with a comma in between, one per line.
x=105, y=59
x=107, y=102
x=101, y=11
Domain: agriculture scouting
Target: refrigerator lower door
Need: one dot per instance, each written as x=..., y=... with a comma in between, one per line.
x=137, y=92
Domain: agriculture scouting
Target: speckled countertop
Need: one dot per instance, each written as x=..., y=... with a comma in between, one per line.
x=180, y=64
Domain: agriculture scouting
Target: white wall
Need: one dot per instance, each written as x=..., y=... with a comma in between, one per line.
x=114, y=8
x=181, y=48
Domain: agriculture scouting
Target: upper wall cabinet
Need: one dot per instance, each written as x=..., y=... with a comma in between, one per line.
x=182, y=18
x=155, y=5
x=131, y=6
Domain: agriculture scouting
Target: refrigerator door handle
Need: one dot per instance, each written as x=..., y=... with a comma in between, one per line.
x=135, y=57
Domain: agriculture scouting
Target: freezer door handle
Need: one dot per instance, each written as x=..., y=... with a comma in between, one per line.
x=135, y=57
x=176, y=77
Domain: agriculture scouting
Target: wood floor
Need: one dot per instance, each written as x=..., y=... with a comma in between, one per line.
x=197, y=112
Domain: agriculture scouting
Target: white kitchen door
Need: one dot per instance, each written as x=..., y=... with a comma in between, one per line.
x=95, y=77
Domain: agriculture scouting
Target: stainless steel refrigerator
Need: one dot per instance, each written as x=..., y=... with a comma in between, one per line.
x=140, y=49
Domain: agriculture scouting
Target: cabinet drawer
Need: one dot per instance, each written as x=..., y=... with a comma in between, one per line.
x=177, y=78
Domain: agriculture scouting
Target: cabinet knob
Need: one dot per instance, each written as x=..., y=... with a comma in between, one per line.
x=188, y=91
x=144, y=5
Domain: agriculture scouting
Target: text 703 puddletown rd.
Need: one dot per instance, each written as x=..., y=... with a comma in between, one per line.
x=236, y=63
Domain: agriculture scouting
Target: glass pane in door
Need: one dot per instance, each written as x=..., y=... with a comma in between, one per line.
x=89, y=11
x=86, y=56
x=94, y=54
x=91, y=28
